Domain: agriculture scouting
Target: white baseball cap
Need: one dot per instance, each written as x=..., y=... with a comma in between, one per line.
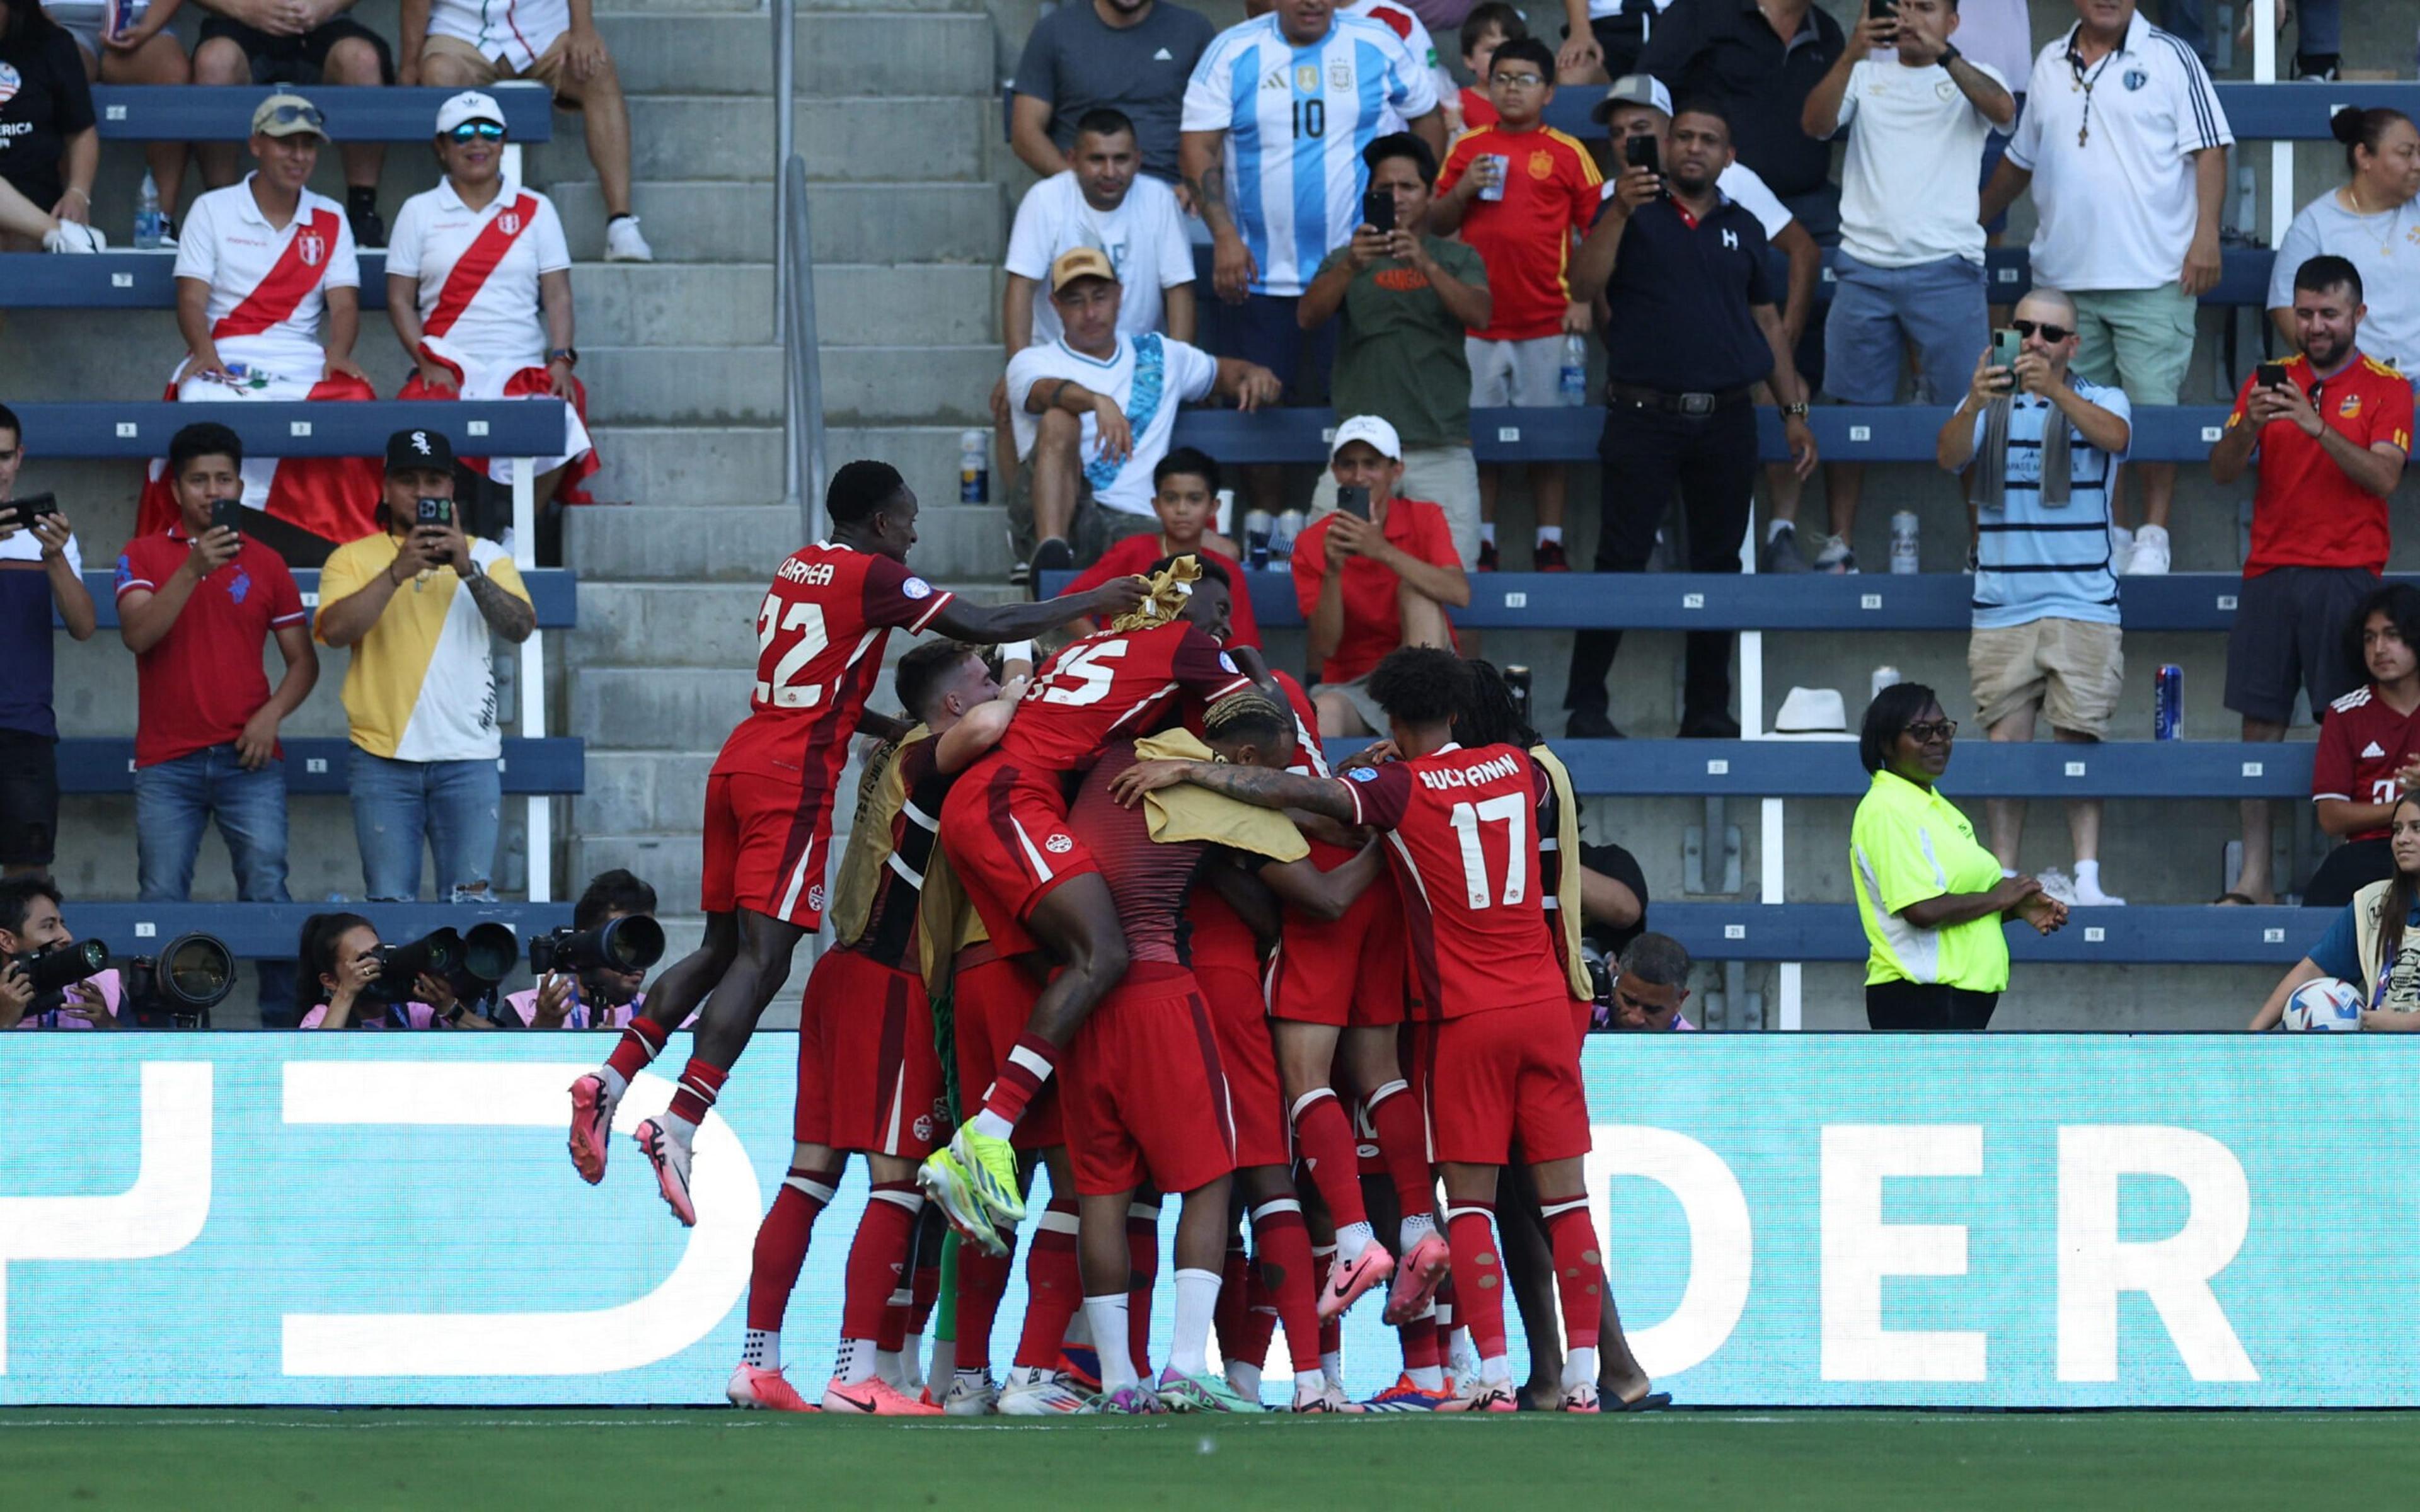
x=470, y=105
x=1633, y=89
x=1380, y=436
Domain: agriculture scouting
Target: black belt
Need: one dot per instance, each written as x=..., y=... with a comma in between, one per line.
x=1639, y=397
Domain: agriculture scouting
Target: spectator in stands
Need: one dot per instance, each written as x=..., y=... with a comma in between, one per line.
x=1401, y=300
x=1098, y=201
x=2370, y=748
x=30, y=922
x=1270, y=227
x=1930, y=897
x=1651, y=986
x=50, y=145
x=416, y=604
x=1998, y=35
x=194, y=604
x=302, y=43
x=1613, y=898
x=1490, y=26
x=2125, y=147
x=2372, y=220
x=1369, y=586
x=599, y=997
x=1757, y=63
x=340, y=954
x=2374, y=944
x=2328, y=445
x=476, y=44
x=2318, y=34
x=1519, y=192
x=479, y=287
x=39, y=566
x=1129, y=56
x=2047, y=631
x=1185, y=496
x=1090, y=450
x=1692, y=328
x=1910, y=267
x=145, y=53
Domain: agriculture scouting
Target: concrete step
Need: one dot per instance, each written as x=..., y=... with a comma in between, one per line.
x=643, y=793
x=691, y=221
x=672, y=304
x=671, y=863
x=683, y=385
x=659, y=708
x=924, y=385
x=838, y=52
x=712, y=625
x=704, y=545
x=857, y=140
x=906, y=303
x=684, y=466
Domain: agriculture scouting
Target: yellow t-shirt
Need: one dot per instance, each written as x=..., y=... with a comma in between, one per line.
x=421, y=687
x=1909, y=844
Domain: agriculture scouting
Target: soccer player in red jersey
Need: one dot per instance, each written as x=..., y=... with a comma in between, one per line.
x=1500, y=1053
x=1036, y=885
x=768, y=801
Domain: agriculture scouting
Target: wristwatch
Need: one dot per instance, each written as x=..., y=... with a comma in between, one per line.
x=569, y=356
x=1795, y=412
x=1949, y=54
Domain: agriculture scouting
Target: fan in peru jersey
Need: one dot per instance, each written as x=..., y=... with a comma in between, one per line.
x=768, y=800
x=1034, y=884
x=1497, y=1039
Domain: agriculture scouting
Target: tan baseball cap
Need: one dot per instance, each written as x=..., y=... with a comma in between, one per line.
x=288, y=115
x=1082, y=262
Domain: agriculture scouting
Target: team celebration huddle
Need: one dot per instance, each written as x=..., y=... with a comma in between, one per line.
x=1173, y=956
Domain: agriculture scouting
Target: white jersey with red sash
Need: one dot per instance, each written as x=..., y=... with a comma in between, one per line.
x=268, y=293
x=476, y=275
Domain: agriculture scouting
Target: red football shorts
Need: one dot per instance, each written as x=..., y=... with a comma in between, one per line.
x=1145, y=1099
x=1250, y=1058
x=991, y=996
x=1007, y=838
x=1349, y=972
x=765, y=846
x=869, y=1074
x=1504, y=1075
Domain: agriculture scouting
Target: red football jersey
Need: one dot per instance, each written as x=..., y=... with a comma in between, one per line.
x=1110, y=684
x=2363, y=744
x=819, y=639
x=1463, y=831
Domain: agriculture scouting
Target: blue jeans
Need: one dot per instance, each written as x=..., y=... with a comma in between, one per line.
x=174, y=800
x=454, y=805
x=1877, y=313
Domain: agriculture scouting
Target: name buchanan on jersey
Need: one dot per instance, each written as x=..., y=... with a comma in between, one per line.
x=1469, y=777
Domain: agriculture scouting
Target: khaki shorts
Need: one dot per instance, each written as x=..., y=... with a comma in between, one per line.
x=546, y=68
x=1091, y=530
x=1445, y=476
x=2070, y=669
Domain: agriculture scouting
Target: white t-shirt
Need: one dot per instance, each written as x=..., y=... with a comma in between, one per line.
x=1145, y=237
x=1997, y=34
x=1151, y=377
x=2118, y=208
x=27, y=547
x=1745, y=188
x=495, y=319
x=259, y=294
x=1908, y=188
x=2384, y=249
x=517, y=31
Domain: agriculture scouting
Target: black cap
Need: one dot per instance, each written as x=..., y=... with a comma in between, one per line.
x=409, y=449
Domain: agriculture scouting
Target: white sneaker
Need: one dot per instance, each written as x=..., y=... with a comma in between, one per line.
x=623, y=243
x=2121, y=550
x=969, y=1397
x=2092, y=897
x=1033, y=1392
x=2056, y=885
x=2150, y=554
x=73, y=236
x=1836, y=557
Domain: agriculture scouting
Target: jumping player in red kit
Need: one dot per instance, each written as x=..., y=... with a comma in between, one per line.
x=820, y=636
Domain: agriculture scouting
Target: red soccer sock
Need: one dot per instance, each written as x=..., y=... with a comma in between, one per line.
x=781, y=1244
x=1234, y=1282
x=983, y=1280
x=1030, y=1063
x=892, y=1338
x=1580, y=1267
x=1056, y=1290
x=1324, y=1140
x=877, y=1258
x=1424, y=1345
x=1470, y=1229
x=1403, y=1140
x=642, y=1039
x=700, y=1085
x=1142, y=1261
x=1260, y=1321
x=1285, y=1270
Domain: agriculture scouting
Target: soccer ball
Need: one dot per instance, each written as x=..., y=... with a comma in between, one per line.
x=2325, y=1004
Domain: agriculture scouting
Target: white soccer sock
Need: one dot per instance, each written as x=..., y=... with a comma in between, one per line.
x=762, y=1349
x=1427, y=1376
x=858, y=1360
x=1331, y=1365
x=1579, y=1368
x=1550, y=535
x=1309, y=1383
x=2088, y=876
x=1107, y=1316
x=988, y=1122
x=945, y=1359
x=1415, y=1227
x=1196, y=1300
x=911, y=1364
x=1497, y=1370
x=680, y=1129
x=890, y=1366
x=1351, y=1239
x=1080, y=1331
x=615, y=1082
x=1246, y=1379
x=1775, y=527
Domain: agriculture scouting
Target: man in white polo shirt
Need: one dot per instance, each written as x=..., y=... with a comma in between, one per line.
x=2125, y=146
x=1093, y=412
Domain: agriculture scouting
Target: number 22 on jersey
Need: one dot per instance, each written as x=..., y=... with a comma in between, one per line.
x=782, y=690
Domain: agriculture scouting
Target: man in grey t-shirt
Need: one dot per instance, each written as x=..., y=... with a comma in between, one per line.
x=1131, y=56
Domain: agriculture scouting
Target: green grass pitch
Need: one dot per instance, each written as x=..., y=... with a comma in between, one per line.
x=683, y=1460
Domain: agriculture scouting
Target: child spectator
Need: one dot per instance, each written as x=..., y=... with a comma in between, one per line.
x=1488, y=26
x=1186, y=497
x=1518, y=192
x=2369, y=745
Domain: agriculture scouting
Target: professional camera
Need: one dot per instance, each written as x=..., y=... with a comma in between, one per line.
x=178, y=988
x=631, y=943
x=470, y=963
x=58, y=967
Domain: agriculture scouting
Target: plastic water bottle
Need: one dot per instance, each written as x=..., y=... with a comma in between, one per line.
x=1283, y=533
x=1571, y=384
x=1885, y=676
x=974, y=467
x=1903, y=537
x=151, y=225
x=1257, y=544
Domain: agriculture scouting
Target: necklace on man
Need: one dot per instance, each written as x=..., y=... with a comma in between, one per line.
x=2083, y=82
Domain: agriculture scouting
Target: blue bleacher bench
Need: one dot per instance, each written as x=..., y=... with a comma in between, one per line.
x=271, y=931
x=355, y=113
x=124, y=280
x=554, y=593
x=2158, y=934
x=141, y=429
x=322, y=766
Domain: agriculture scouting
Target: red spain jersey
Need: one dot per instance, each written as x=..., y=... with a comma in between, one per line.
x=819, y=639
x=1463, y=830
x=1550, y=193
x=2363, y=744
x=1113, y=685
x=2306, y=511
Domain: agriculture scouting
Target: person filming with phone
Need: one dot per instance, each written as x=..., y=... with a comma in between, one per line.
x=416, y=604
x=39, y=566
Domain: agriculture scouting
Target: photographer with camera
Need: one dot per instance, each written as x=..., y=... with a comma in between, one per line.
x=33, y=935
x=363, y=983
x=589, y=980
x=416, y=603
x=39, y=565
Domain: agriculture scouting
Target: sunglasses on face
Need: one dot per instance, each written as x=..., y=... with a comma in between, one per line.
x=1930, y=730
x=2053, y=334
x=477, y=131
x=308, y=115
